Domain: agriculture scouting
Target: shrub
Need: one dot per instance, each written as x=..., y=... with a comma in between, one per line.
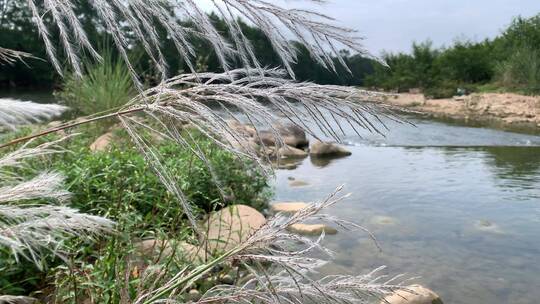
x=521, y=70
x=104, y=86
x=119, y=181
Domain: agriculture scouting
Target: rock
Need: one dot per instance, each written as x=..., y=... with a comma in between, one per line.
x=287, y=207
x=287, y=166
x=102, y=143
x=291, y=152
x=414, y=294
x=226, y=279
x=286, y=163
x=313, y=229
x=194, y=295
x=487, y=226
x=298, y=183
x=383, y=220
x=245, y=130
x=230, y=226
x=266, y=137
x=162, y=250
x=17, y=300
x=293, y=135
x=321, y=149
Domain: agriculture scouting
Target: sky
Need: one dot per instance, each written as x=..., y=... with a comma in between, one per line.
x=392, y=25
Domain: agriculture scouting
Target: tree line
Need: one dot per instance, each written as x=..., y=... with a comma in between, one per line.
x=17, y=31
x=509, y=62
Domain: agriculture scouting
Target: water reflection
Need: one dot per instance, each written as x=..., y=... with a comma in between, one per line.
x=514, y=162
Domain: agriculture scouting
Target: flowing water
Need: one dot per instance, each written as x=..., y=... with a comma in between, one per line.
x=458, y=206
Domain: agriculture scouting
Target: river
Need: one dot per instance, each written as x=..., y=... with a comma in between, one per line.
x=456, y=205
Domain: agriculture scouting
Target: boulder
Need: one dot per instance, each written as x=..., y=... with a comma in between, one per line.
x=17, y=300
x=267, y=138
x=293, y=135
x=414, y=294
x=287, y=207
x=291, y=152
x=322, y=149
x=102, y=143
x=245, y=130
x=311, y=229
x=230, y=226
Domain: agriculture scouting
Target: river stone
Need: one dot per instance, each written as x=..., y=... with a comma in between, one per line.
x=487, y=226
x=245, y=130
x=194, y=295
x=102, y=143
x=291, y=152
x=311, y=229
x=17, y=300
x=266, y=137
x=287, y=207
x=414, y=294
x=322, y=149
x=298, y=183
x=383, y=220
x=231, y=225
x=292, y=135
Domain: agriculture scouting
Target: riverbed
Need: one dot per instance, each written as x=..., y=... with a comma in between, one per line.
x=456, y=205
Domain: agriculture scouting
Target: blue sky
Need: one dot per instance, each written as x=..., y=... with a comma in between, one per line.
x=392, y=25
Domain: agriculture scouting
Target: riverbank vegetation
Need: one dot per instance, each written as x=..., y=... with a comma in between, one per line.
x=509, y=62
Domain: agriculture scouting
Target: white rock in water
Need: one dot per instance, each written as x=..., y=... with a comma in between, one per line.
x=287, y=207
x=298, y=183
x=311, y=229
x=291, y=152
x=414, y=294
x=321, y=149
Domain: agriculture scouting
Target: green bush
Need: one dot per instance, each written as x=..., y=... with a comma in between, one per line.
x=521, y=70
x=120, y=181
x=104, y=86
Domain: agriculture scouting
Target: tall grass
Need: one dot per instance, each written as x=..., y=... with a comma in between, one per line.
x=105, y=85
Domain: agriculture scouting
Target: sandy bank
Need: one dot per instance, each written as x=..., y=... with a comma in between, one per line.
x=507, y=110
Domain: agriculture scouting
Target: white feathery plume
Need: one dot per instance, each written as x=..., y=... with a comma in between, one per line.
x=16, y=112
x=31, y=230
x=184, y=20
x=16, y=159
x=8, y=56
x=47, y=185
